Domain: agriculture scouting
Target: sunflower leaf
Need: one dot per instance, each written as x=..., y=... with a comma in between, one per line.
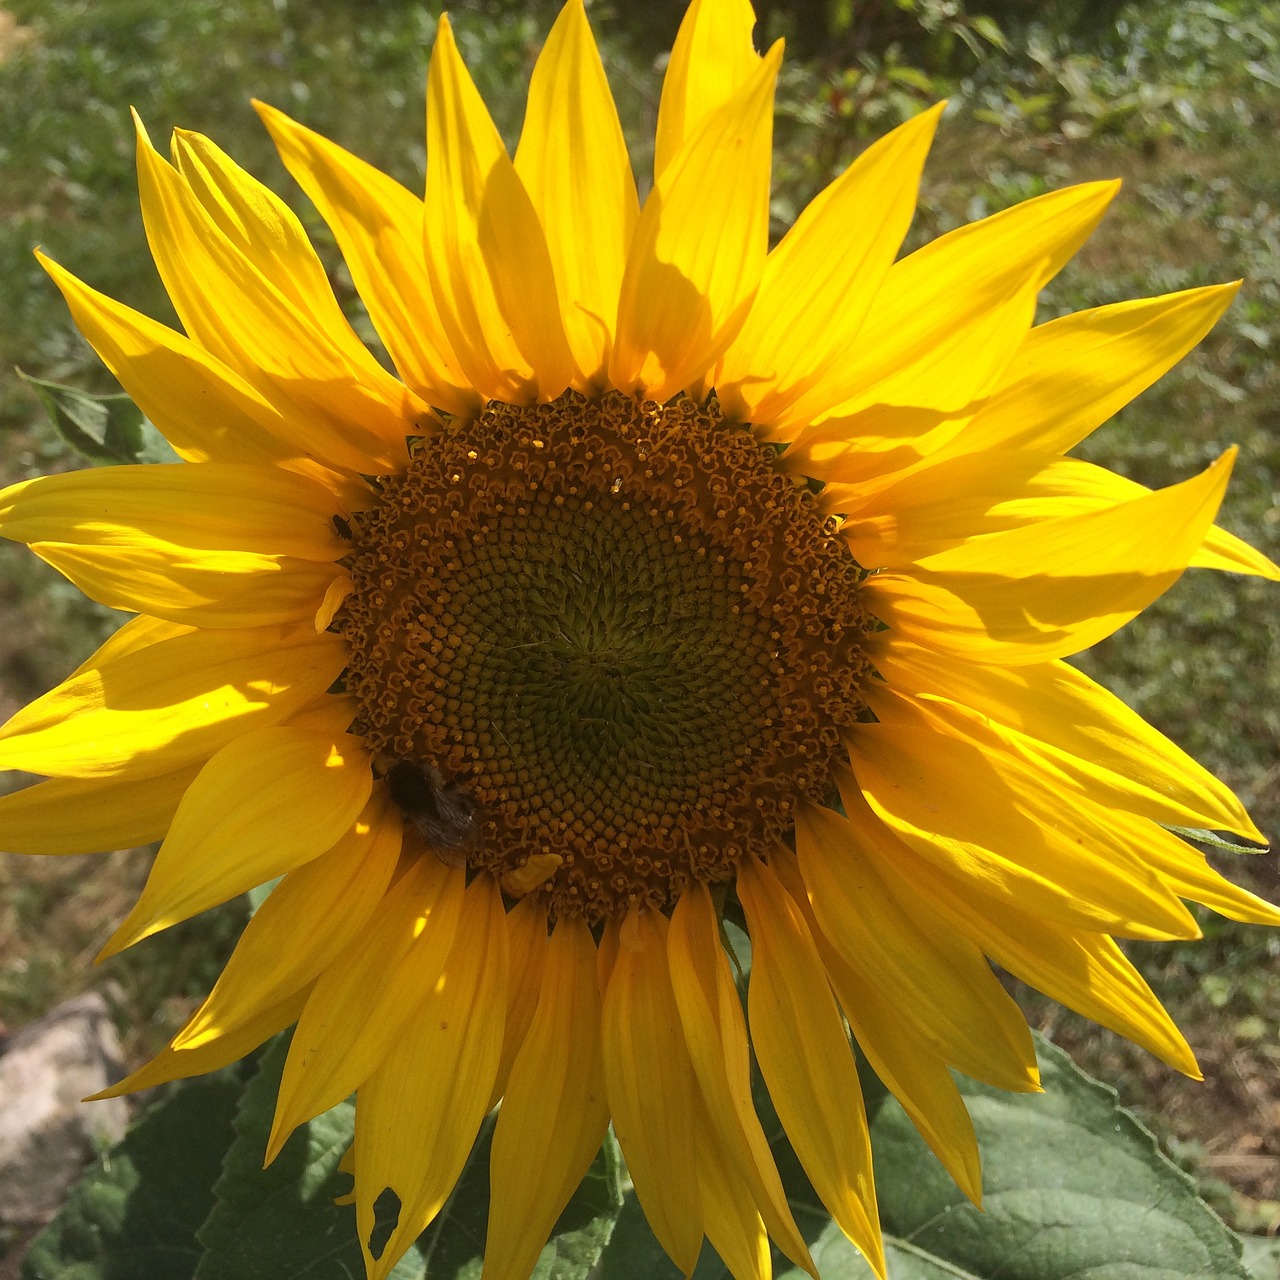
x=280, y=1223
x=110, y=428
x=134, y=1215
x=1074, y=1186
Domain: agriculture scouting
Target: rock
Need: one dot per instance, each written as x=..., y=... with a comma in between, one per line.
x=47, y=1135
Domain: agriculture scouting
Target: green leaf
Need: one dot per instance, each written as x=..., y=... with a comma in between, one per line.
x=134, y=1216
x=108, y=429
x=1262, y=1257
x=281, y=1224
x=989, y=30
x=634, y=1252
x=911, y=76
x=1074, y=1186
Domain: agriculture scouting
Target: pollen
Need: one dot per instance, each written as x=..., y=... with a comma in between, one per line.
x=622, y=628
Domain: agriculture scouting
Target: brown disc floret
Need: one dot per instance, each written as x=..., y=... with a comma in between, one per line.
x=621, y=627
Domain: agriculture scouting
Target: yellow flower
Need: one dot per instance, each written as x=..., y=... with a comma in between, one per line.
x=671, y=575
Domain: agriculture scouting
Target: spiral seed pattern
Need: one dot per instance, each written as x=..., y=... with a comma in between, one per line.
x=628, y=633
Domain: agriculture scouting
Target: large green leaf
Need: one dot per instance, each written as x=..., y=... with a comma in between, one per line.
x=281, y=1224
x=1075, y=1187
x=134, y=1215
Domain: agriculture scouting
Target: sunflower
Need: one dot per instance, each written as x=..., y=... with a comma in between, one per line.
x=669, y=578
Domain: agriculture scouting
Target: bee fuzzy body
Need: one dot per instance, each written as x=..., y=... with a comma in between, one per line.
x=443, y=811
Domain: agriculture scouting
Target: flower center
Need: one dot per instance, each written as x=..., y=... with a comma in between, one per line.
x=614, y=634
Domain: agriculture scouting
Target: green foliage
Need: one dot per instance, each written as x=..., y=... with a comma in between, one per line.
x=134, y=1215
x=1074, y=1187
x=107, y=428
x=1139, y=73
x=185, y=1194
x=281, y=1221
x=1213, y=839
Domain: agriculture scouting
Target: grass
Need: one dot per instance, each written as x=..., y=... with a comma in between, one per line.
x=1179, y=102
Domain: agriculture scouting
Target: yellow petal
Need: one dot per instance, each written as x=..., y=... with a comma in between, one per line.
x=699, y=247
x=378, y=225
x=307, y=919
x=1085, y=971
x=211, y=589
x=924, y=403
x=330, y=713
x=1187, y=872
x=651, y=1086
x=939, y=982
x=266, y=803
x=214, y=506
x=716, y=1033
x=205, y=410
x=258, y=224
x=1029, y=595
x=554, y=1105
x=1228, y=554
x=261, y=227
x=712, y=58
x=820, y=282
x=335, y=400
x=79, y=815
x=171, y=703
x=947, y=499
x=941, y=504
x=337, y=590
x=906, y=1063
x=527, y=947
x=218, y=545
x=1077, y=728
x=806, y=1059
x=933, y=297
x=536, y=870
x=487, y=255
x=976, y=811
x=573, y=161
x=1090, y=974
x=417, y=1115
x=133, y=636
x=730, y=1218
x=1072, y=374
x=181, y=1064
x=361, y=1002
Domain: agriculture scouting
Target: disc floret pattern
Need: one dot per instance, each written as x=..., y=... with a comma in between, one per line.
x=621, y=626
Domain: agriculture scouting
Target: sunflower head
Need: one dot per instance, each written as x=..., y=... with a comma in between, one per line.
x=670, y=576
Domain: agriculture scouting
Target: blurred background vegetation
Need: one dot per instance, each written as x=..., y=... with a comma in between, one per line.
x=1181, y=100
